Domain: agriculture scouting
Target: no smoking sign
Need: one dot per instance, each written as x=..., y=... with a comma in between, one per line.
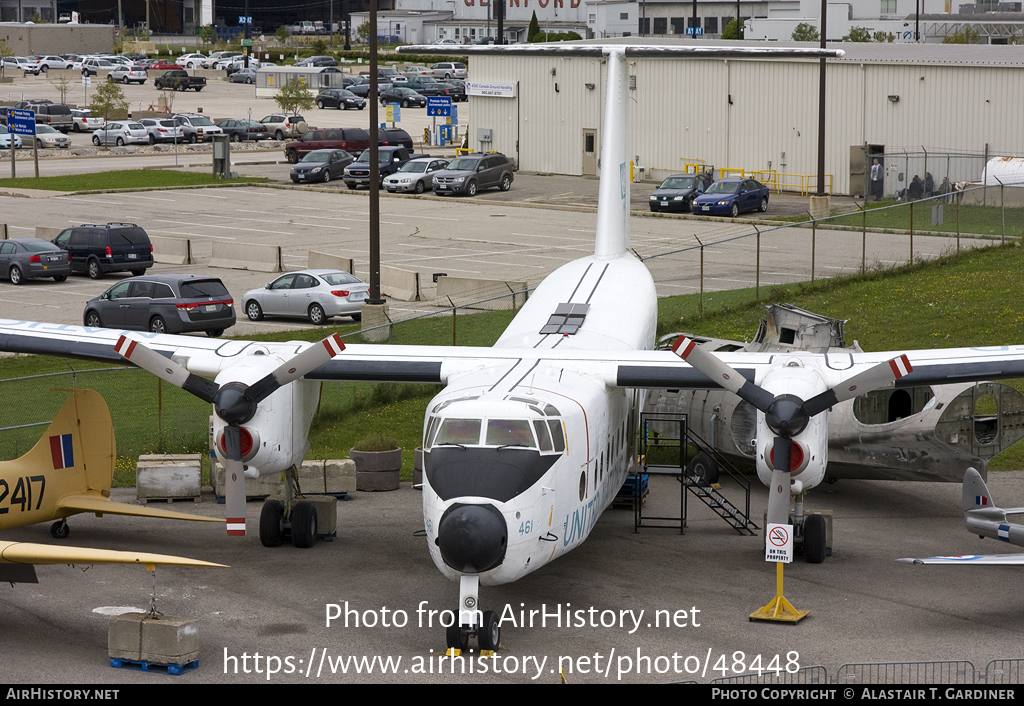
x=779, y=546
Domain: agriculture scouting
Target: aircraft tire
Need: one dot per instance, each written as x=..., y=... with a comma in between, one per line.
x=490, y=631
x=705, y=468
x=456, y=637
x=814, y=539
x=60, y=530
x=304, y=525
x=272, y=523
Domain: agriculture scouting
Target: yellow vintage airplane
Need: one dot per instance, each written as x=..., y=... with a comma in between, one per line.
x=67, y=472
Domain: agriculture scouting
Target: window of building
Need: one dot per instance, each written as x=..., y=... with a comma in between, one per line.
x=623, y=15
x=661, y=25
x=678, y=25
x=888, y=7
x=710, y=25
x=645, y=25
x=693, y=22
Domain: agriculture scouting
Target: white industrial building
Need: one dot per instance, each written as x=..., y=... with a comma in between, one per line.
x=760, y=115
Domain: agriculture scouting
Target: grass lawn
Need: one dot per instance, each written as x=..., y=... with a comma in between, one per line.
x=969, y=299
x=134, y=178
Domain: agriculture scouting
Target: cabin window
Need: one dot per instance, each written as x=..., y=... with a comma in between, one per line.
x=543, y=436
x=509, y=432
x=556, y=435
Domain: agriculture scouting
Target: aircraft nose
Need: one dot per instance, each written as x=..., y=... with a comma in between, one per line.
x=472, y=538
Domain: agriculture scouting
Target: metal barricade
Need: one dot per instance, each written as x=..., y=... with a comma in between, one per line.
x=945, y=672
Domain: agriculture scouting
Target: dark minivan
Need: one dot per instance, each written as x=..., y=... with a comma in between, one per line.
x=164, y=304
x=114, y=247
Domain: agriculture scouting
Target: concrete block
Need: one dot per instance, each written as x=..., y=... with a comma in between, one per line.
x=375, y=316
x=340, y=476
x=417, y=467
x=169, y=640
x=400, y=284
x=311, y=477
x=820, y=206
x=47, y=233
x=174, y=251
x=169, y=479
x=325, y=261
x=326, y=512
x=260, y=487
x=381, y=480
x=246, y=256
x=483, y=293
x=124, y=636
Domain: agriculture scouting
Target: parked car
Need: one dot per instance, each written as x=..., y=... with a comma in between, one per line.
x=45, y=63
x=47, y=137
x=163, y=130
x=198, y=128
x=164, y=65
x=313, y=294
x=121, y=133
x=350, y=139
x=114, y=247
x=389, y=160
x=676, y=193
x=5, y=139
x=243, y=76
x=339, y=98
x=416, y=175
x=179, y=80
x=472, y=172
x=244, y=130
x=164, y=304
x=128, y=74
x=388, y=136
x=449, y=69
x=92, y=66
x=363, y=89
x=318, y=61
x=282, y=126
x=404, y=96
x=427, y=86
x=30, y=258
x=82, y=120
x=194, y=61
x=56, y=115
x=730, y=197
x=321, y=165
x=416, y=70
x=20, y=63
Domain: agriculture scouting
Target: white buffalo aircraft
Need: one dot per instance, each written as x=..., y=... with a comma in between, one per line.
x=532, y=438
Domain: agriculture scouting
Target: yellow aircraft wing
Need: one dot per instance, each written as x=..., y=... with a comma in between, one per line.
x=92, y=501
x=28, y=553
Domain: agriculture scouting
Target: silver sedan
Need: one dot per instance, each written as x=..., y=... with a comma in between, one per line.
x=416, y=175
x=316, y=295
x=121, y=133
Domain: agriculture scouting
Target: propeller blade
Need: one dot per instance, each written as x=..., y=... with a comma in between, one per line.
x=166, y=369
x=778, y=492
x=234, y=481
x=293, y=369
x=874, y=378
x=721, y=373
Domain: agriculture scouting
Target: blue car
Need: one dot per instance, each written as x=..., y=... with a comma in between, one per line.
x=729, y=197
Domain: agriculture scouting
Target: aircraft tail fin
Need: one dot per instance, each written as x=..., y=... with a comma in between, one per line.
x=613, y=239
x=79, y=442
x=976, y=495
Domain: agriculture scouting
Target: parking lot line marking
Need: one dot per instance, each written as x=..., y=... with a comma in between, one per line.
x=209, y=196
x=194, y=235
x=91, y=201
x=207, y=225
x=148, y=198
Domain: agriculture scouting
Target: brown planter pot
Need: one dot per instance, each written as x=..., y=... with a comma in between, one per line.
x=376, y=461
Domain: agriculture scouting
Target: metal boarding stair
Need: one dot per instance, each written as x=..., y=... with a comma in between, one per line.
x=692, y=483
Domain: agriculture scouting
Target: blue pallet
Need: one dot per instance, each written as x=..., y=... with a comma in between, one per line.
x=142, y=666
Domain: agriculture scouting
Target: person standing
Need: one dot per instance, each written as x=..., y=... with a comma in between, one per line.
x=877, y=177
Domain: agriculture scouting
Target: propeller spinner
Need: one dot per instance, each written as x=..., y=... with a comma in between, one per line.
x=787, y=415
x=234, y=402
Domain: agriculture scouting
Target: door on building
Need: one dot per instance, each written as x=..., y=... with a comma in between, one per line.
x=589, y=152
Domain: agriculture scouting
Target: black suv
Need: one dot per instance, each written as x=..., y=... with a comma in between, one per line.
x=389, y=159
x=114, y=247
x=472, y=172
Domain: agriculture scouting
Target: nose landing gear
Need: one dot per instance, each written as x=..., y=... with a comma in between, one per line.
x=471, y=622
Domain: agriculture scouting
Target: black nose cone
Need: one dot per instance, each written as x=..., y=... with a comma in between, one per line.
x=472, y=538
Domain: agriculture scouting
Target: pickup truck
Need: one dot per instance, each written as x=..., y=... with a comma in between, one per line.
x=180, y=81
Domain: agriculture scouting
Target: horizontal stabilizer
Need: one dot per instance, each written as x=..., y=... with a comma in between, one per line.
x=27, y=553
x=94, y=502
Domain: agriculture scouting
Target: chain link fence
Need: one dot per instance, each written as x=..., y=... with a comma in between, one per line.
x=875, y=237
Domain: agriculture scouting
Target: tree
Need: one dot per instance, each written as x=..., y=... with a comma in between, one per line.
x=806, y=33
x=534, y=28
x=123, y=43
x=37, y=19
x=283, y=34
x=730, y=30
x=858, y=34
x=363, y=32
x=208, y=34
x=964, y=36
x=294, y=97
x=5, y=51
x=62, y=83
x=108, y=102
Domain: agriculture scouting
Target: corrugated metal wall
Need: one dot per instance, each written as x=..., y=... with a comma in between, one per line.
x=750, y=114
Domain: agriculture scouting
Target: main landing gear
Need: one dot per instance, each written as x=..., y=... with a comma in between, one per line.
x=811, y=532
x=470, y=622
x=292, y=517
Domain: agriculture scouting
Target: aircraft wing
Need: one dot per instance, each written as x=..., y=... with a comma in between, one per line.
x=982, y=559
x=436, y=364
x=94, y=502
x=27, y=553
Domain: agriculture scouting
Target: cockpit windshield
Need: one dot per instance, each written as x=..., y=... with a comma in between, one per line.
x=545, y=435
